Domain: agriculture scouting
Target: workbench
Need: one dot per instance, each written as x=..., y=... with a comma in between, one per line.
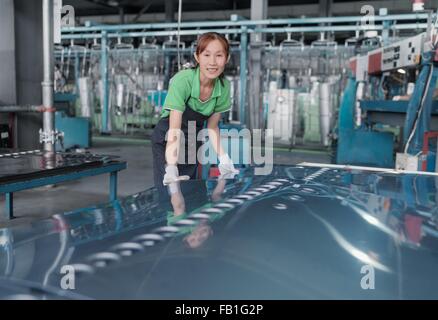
x=31, y=169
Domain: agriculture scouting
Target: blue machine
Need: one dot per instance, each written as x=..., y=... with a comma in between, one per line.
x=352, y=141
x=76, y=131
x=420, y=106
x=365, y=144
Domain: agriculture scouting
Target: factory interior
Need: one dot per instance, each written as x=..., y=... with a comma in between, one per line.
x=326, y=167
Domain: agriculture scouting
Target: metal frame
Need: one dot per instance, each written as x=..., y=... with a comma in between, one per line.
x=420, y=107
x=9, y=188
x=247, y=23
x=236, y=26
x=391, y=106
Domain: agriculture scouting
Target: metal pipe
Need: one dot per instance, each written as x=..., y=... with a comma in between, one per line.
x=24, y=108
x=249, y=23
x=148, y=33
x=324, y=112
x=360, y=94
x=314, y=29
x=409, y=26
x=243, y=68
x=47, y=84
x=105, y=91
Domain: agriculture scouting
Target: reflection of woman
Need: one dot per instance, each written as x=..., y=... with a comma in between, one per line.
x=195, y=236
x=195, y=95
x=199, y=235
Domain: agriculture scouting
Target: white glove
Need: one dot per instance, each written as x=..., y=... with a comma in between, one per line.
x=172, y=175
x=226, y=167
x=174, y=188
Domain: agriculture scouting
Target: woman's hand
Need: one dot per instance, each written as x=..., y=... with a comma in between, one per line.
x=172, y=175
x=226, y=167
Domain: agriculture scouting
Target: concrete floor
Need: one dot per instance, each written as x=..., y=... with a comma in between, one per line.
x=44, y=202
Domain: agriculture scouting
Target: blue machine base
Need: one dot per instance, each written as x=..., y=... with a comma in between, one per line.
x=76, y=131
x=367, y=148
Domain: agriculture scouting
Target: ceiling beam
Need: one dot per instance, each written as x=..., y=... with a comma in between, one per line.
x=142, y=11
x=351, y=8
x=101, y=3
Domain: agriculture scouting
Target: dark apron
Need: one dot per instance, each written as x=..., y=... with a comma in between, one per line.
x=159, y=147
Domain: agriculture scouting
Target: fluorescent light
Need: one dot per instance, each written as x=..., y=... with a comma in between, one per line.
x=113, y=3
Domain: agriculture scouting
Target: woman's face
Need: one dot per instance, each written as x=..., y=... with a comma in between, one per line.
x=198, y=236
x=212, y=60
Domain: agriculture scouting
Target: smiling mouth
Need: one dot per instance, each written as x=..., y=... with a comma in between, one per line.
x=212, y=69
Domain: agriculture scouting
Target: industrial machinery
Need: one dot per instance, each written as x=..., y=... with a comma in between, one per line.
x=388, y=106
x=300, y=81
x=72, y=98
x=24, y=170
x=304, y=83
x=137, y=81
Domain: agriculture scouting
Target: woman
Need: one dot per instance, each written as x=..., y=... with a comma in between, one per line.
x=197, y=95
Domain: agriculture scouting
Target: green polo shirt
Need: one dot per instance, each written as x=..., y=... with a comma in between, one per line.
x=184, y=89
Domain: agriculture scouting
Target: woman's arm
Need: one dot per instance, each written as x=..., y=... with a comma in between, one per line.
x=213, y=133
x=226, y=166
x=173, y=137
